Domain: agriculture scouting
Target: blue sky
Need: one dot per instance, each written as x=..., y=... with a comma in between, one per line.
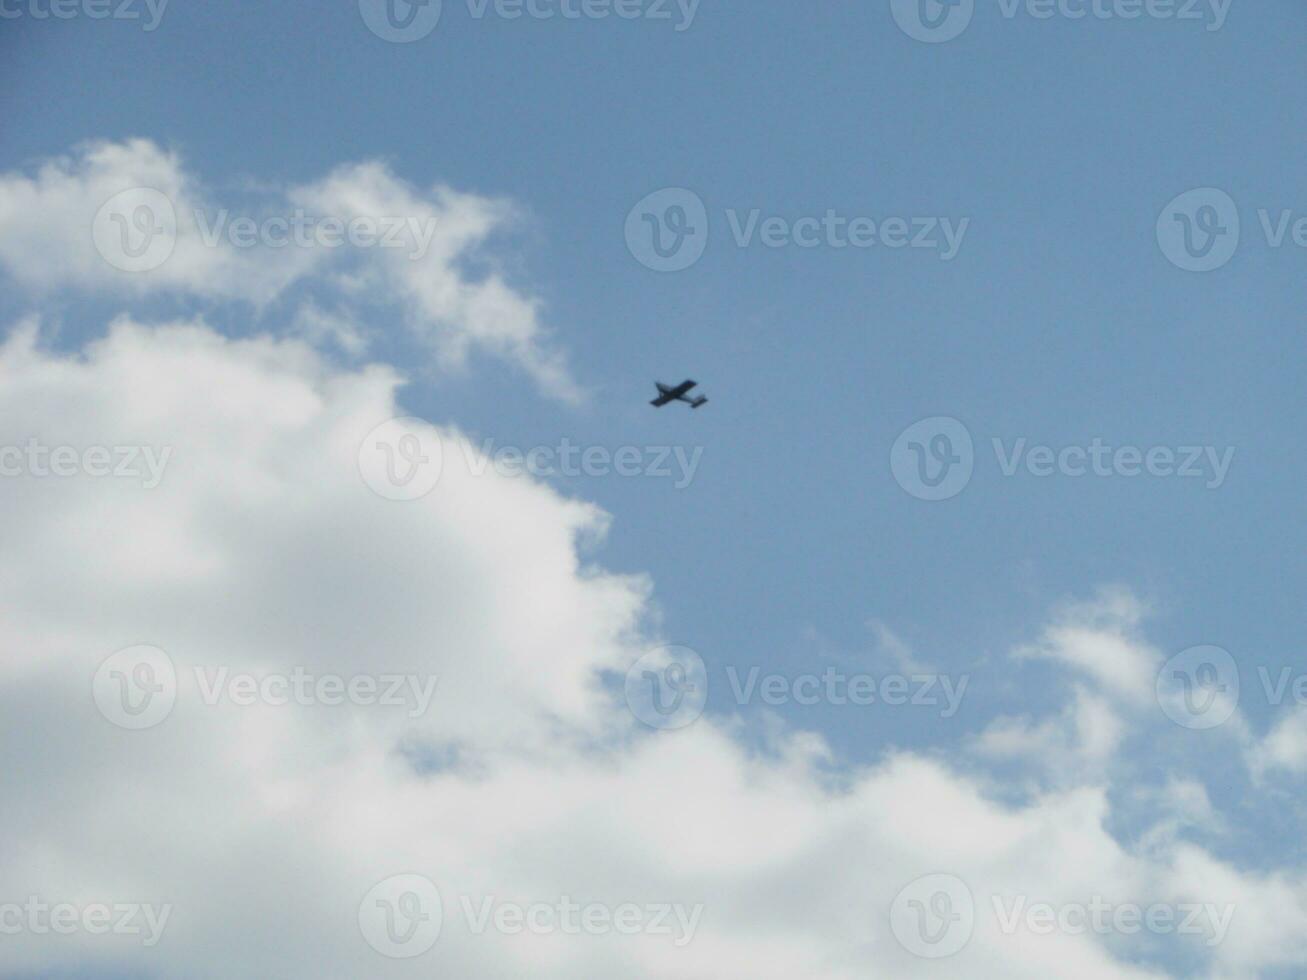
x=1059, y=321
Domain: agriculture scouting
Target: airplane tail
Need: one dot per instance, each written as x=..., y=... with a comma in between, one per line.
x=699, y=403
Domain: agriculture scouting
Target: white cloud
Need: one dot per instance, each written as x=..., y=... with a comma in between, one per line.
x=264, y=826
x=1077, y=743
x=128, y=219
x=1284, y=748
x=1099, y=638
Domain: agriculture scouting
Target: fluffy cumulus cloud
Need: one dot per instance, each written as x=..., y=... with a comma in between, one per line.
x=129, y=219
x=520, y=781
x=292, y=689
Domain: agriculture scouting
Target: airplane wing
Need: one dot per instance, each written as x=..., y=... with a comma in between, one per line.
x=666, y=395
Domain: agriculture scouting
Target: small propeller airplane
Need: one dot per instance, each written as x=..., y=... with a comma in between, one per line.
x=668, y=394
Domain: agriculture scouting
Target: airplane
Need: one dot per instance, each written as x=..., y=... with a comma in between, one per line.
x=667, y=394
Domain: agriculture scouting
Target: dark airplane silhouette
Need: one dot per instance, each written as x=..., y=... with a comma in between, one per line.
x=667, y=394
